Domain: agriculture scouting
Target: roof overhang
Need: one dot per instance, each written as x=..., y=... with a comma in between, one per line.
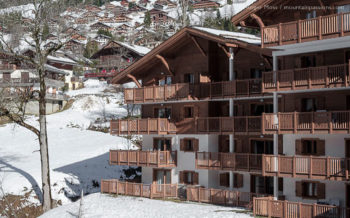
x=177, y=38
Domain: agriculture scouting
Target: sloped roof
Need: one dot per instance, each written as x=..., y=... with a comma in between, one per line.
x=246, y=41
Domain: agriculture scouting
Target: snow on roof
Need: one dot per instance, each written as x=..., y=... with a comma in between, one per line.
x=26, y=10
x=249, y=38
x=136, y=48
x=55, y=69
x=61, y=59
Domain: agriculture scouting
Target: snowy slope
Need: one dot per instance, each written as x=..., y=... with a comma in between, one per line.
x=100, y=205
x=77, y=156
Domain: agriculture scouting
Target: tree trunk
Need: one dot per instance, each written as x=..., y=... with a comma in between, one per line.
x=44, y=150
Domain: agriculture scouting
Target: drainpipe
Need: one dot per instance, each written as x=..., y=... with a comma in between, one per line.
x=275, y=136
x=231, y=108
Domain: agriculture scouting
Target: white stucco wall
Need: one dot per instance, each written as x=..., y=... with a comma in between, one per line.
x=335, y=191
x=335, y=143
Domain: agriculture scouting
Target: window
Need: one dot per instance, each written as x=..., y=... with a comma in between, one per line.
x=311, y=14
x=162, y=144
x=189, y=78
x=162, y=113
x=310, y=189
x=308, y=61
x=188, y=177
x=189, y=144
x=255, y=73
x=165, y=81
x=308, y=105
x=309, y=147
x=258, y=109
x=343, y=8
x=189, y=112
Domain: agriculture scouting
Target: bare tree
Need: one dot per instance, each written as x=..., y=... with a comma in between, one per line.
x=182, y=13
x=32, y=34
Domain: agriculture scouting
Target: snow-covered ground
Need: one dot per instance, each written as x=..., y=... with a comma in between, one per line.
x=101, y=205
x=78, y=157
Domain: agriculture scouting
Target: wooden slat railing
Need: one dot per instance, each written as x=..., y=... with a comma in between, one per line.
x=8, y=67
x=331, y=26
x=198, y=125
x=113, y=186
x=143, y=158
x=307, y=122
x=307, y=78
x=186, y=91
x=268, y=207
x=142, y=126
x=328, y=168
x=221, y=196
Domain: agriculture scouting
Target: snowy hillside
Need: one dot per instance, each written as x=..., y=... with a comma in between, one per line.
x=100, y=205
x=78, y=157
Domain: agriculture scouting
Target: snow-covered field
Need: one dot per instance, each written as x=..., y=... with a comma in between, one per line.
x=78, y=157
x=101, y=205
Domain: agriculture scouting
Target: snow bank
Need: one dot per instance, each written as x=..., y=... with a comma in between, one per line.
x=100, y=205
x=78, y=157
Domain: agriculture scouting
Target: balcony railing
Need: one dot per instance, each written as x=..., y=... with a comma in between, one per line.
x=201, y=125
x=307, y=78
x=268, y=207
x=160, y=126
x=201, y=91
x=331, y=168
x=143, y=158
x=8, y=67
x=221, y=196
x=113, y=186
x=331, y=26
x=307, y=122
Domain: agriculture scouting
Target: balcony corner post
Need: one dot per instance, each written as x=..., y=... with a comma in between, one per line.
x=328, y=168
x=320, y=27
x=263, y=169
x=280, y=34
x=341, y=24
x=299, y=31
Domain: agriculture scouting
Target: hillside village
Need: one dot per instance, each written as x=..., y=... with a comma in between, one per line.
x=175, y=108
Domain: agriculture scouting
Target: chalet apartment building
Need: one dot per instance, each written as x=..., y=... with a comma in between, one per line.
x=228, y=110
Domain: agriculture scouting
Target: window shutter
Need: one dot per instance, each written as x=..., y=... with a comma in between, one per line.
x=182, y=144
x=239, y=178
x=195, y=178
x=280, y=144
x=321, y=190
x=298, y=147
x=181, y=177
x=223, y=179
x=195, y=145
x=299, y=189
x=321, y=144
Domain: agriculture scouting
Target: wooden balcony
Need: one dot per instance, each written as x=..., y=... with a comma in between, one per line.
x=267, y=207
x=202, y=125
x=313, y=167
x=307, y=122
x=113, y=186
x=201, y=91
x=143, y=158
x=331, y=26
x=221, y=197
x=306, y=78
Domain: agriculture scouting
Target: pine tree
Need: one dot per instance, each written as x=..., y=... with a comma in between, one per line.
x=147, y=19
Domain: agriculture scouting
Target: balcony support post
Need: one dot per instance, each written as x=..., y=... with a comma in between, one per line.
x=231, y=107
x=275, y=145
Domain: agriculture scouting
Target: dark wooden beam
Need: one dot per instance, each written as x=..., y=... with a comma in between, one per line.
x=267, y=61
x=134, y=80
x=198, y=45
x=224, y=49
x=165, y=63
x=258, y=20
x=322, y=5
x=242, y=23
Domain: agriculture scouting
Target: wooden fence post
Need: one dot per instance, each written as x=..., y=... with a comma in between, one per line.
x=117, y=189
x=314, y=210
x=254, y=207
x=151, y=191
x=199, y=199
